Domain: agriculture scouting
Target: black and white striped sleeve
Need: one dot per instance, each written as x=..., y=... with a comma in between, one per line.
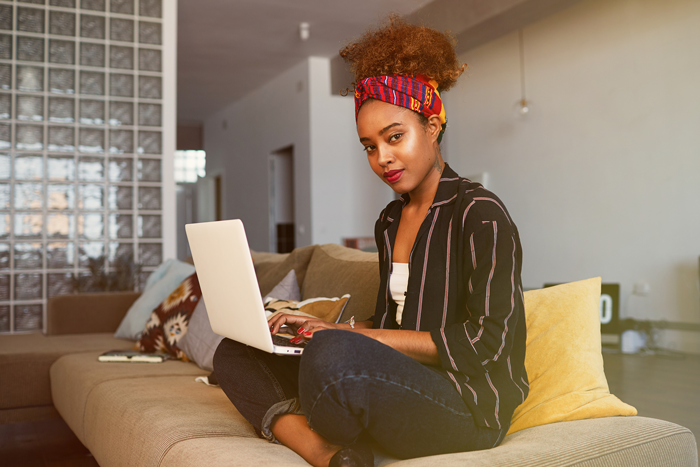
x=491, y=277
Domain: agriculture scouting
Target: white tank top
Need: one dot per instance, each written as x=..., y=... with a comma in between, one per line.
x=398, y=285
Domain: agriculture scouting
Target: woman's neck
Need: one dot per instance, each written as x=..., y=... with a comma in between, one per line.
x=424, y=194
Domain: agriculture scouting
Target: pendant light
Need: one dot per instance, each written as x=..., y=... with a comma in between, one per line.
x=523, y=106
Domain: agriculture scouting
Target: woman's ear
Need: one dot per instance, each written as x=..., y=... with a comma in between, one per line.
x=433, y=127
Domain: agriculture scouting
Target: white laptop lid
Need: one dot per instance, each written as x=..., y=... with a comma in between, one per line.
x=229, y=286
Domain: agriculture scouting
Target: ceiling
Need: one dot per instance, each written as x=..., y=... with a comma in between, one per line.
x=227, y=48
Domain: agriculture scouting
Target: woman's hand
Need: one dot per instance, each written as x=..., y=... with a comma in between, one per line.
x=302, y=326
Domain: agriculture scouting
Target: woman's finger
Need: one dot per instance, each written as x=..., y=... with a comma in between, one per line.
x=306, y=326
x=277, y=321
x=309, y=324
x=308, y=334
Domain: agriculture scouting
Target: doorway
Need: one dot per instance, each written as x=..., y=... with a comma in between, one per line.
x=281, y=196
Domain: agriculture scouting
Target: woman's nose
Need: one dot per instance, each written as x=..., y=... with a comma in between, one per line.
x=384, y=157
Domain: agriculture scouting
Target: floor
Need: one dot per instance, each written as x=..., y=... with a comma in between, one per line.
x=48, y=443
x=660, y=386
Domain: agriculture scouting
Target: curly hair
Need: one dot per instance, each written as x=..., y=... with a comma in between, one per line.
x=399, y=48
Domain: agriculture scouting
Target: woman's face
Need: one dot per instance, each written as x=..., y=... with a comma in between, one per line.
x=401, y=150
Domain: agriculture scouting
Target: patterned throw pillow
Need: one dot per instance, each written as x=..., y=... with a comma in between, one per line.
x=168, y=323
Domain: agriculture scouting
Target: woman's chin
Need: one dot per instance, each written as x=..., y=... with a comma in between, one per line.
x=397, y=189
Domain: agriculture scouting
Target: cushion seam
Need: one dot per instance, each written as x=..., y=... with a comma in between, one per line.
x=368, y=260
x=208, y=435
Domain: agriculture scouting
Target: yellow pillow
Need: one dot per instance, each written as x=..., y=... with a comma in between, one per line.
x=563, y=358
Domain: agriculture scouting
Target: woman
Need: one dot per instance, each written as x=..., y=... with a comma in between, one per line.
x=440, y=366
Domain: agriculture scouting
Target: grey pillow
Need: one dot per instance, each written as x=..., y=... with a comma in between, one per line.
x=200, y=342
x=287, y=289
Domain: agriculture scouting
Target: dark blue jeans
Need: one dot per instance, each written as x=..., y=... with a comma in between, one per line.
x=350, y=386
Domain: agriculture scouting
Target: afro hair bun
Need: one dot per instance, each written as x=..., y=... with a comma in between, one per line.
x=399, y=48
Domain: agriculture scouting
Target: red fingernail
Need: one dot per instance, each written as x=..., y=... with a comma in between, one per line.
x=307, y=334
x=301, y=330
x=296, y=340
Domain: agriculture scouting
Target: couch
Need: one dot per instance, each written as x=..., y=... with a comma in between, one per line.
x=131, y=414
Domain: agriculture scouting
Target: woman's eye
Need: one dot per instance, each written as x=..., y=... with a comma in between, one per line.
x=368, y=149
x=395, y=137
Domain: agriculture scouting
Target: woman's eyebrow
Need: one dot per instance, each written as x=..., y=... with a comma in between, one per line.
x=382, y=131
x=389, y=126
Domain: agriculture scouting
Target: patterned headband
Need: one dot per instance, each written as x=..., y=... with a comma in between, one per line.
x=418, y=93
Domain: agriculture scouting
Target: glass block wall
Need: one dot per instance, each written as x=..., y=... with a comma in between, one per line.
x=81, y=144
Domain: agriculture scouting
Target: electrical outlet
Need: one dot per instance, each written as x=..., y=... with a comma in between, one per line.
x=641, y=289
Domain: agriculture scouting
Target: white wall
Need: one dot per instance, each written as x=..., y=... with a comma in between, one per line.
x=239, y=140
x=336, y=193
x=346, y=195
x=603, y=178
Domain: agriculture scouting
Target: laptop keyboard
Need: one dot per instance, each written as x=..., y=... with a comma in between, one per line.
x=283, y=342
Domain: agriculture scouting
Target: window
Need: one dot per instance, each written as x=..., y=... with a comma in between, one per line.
x=81, y=148
x=189, y=165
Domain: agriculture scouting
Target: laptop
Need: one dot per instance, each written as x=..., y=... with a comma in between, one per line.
x=230, y=288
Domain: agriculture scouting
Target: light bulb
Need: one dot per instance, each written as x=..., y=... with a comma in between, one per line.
x=522, y=108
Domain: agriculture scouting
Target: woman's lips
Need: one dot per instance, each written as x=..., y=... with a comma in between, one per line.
x=393, y=176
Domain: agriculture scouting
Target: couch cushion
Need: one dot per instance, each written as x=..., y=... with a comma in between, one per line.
x=75, y=377
x=87, y=313
x=335, y=270
x=615, y=441
x=145, y=407
x=150, y=415
x=267, y=258
x=25, y=360
x=271, y=268
x=609, y=442
x=166, y=419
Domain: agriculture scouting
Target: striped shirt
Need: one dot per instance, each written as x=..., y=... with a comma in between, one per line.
x=464, y=288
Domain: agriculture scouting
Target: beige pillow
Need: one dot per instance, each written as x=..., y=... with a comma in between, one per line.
x=271, y=268
x=327, y=309
x=335, y=270
x=563, y=358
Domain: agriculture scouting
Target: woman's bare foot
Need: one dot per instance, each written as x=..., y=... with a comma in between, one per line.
x=294, y=432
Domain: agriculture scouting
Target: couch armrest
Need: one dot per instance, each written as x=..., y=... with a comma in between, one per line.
x=87, y=312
